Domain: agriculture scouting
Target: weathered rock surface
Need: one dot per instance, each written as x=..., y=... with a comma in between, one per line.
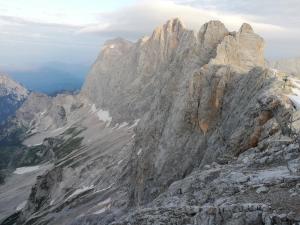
x=178, y=128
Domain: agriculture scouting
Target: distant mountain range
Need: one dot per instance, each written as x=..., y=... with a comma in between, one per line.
x=291, y=65
x=12, y=95
x=52, y=77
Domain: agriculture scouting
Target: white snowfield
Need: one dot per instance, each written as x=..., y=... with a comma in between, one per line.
x=24, y=170
x=21, y=206
x=81, y=190
x=104, y=205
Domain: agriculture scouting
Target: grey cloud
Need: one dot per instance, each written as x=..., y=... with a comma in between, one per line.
x=281, y=12
x=28, y=41
x=277, y=21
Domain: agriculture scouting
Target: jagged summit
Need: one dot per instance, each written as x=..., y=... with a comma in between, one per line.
x=246, y=28
x=171, y=27
x=174, y=25
x=117, y=42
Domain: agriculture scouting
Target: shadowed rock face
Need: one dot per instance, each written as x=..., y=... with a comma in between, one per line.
x=177, y=128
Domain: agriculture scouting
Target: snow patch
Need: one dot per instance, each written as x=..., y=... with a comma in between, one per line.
x=43, y=113
x=37, y=144
x=81, y=190
x=93, y=108
x=104, y=189
x=116, y=126
x=105, y=202
x=296, y=91
x=102, y=115
x=105, y=205
x=21, y=206
x=124, y=124
x=295, y=100
x=136, y=122
x=140, y=151
x=100, y=211
x=23, y=170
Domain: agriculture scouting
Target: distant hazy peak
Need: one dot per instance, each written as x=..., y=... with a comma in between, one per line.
x=9, y=86
x=291, y=65
x=116, y=42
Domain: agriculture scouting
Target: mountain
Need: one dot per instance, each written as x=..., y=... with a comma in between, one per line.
x=291, y=66
x=12, y=95
x=177, y=128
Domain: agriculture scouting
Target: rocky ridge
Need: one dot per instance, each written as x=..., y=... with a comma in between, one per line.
x=178, y=128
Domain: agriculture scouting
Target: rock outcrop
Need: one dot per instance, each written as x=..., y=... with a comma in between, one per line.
x=177, y=128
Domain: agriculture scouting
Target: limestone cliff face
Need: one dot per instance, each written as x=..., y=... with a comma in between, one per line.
x=190, y=92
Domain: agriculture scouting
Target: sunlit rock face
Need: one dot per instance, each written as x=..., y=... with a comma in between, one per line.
x=181, y=127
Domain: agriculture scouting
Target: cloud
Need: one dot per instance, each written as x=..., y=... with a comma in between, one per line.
x=142, y=17
x=277, y=22
x=53, y=35
x=281, y=12
x=19, y=21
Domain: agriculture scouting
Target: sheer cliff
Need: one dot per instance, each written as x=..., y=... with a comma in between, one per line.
x=181, y=127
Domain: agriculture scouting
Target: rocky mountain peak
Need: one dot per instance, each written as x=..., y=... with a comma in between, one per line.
x=117, y=43
x=11, y=87
x=173, y=27
x=243, y=50
x=246, y=28
x=210, y=35
x=212, y=26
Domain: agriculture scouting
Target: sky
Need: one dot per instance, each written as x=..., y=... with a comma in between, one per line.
x=34, y=33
